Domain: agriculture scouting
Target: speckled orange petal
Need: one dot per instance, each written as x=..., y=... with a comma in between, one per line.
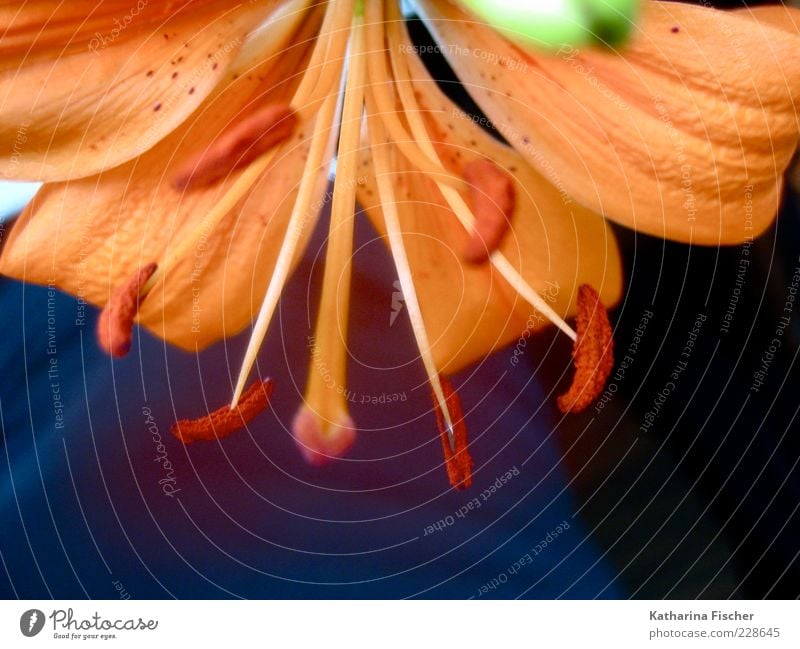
x=680, y=135
x=775, y=15
x=74, y=112
x=469, y=310
x=89, y=235
x=39, y=28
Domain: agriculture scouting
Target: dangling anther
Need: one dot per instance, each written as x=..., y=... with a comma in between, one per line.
x=115, y=325
x=593, y=353
x=237, y=147
x=492, y=200
x=226, y=420
x=458, y=461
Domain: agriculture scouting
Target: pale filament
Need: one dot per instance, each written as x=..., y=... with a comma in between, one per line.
x=324, y=69
x=399, y=41
x=379, y=90
x=319, y=158
x=324, y=393
x=317, y=162
x=379, y=145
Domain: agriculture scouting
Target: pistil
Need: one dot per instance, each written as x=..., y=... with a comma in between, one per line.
x=324, y=421
x=298, y=223
x=333, y=33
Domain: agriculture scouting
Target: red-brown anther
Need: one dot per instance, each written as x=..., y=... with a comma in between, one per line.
x=115, y=325
x=493, y=198
x=593, y=353
x=458, y=462
x=237, y=147
x=224, y=421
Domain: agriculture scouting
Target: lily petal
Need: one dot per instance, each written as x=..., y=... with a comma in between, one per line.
x=87, y=236
x=32, y=29
x=680, y=134
x=557, y=245
x=778, y=15
x=70, y=115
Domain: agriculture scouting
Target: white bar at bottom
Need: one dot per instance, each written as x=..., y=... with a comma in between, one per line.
x=401, y=624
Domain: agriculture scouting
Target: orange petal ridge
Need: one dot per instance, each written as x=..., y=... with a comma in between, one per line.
x=593, y=353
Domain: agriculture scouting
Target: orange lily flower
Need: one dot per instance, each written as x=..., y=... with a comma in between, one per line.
x=185, y=156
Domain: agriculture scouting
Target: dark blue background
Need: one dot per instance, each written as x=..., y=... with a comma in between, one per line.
x=82, y=506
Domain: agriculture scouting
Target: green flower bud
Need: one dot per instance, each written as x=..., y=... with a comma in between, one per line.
x=552, y=24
